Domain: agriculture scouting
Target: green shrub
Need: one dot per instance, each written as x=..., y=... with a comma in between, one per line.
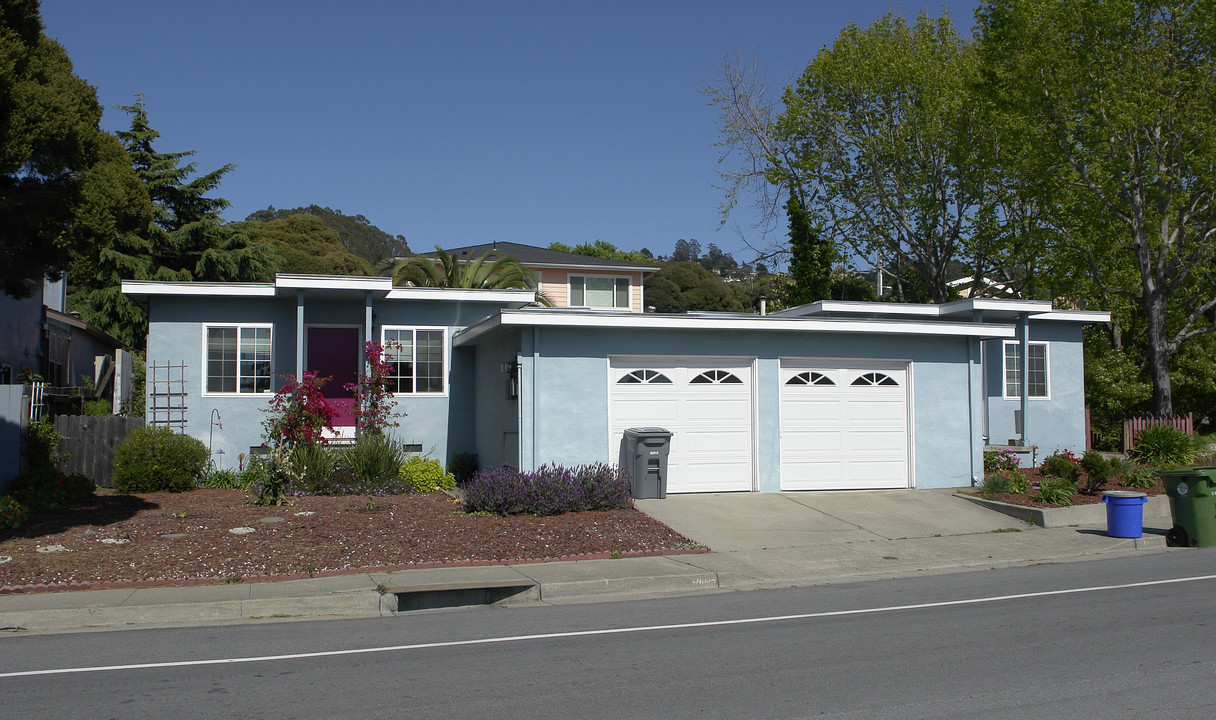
x=375, y=462
x=97, y=408
x=426, y=474
x=12, y=513
x=314, y=465
x=1056, y=491
x=995, y=484
x=1164, y=446
x=1062, y=465
x=1097, y=470
x=223, y=480
x=253, y=472
x=1140, y=477
x=156, y=459
x=42, y=444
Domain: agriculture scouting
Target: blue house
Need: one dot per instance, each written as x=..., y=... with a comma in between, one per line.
x=831, y=395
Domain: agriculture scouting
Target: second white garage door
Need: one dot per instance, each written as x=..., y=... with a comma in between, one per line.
x=706, y=405
x=844, y=428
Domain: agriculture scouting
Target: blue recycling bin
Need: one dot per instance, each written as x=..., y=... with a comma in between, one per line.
x=1124, y=513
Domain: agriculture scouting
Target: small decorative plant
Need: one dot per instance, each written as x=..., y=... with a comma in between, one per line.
x=1097, y=470
x=12, y=513
x=157, y=459
x=550, y=490
x=1056, y=491
x=998, y=460
x=426, y=474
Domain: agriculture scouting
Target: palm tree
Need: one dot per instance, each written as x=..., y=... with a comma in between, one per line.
x=491, y=271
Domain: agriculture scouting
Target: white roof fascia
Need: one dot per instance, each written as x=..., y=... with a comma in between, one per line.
x=1081, y=316
x=603, y=268
x=333, y=282
x=534, y=318
x=468, y=295
x=165, y=287
x=857, y=306
x=1014, y=306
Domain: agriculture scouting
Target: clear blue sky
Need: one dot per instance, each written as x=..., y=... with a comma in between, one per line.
x=456, y=122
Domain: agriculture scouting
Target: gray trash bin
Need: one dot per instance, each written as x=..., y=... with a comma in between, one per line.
x=644, y=453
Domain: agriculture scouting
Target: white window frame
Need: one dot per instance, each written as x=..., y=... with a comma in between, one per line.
x=1005, y=370
x=207, y=327
x=583, y=278
x=445, y=361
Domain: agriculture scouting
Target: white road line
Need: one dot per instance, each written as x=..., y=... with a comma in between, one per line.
x=608, y=631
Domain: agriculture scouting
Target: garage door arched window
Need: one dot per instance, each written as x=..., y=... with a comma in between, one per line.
x=810, y=378
x=716, y=377
x=874, y=378
x=645, y=377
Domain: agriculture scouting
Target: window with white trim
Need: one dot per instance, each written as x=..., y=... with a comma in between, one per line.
x=1038, y=381
x=599, y=291
x=238, y=359
x=417, y=358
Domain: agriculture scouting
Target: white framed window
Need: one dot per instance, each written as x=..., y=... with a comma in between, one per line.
x=599, y=291
x=236, y=359
x=1039, y=383
x=418, y=357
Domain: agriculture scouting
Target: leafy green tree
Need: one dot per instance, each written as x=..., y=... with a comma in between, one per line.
x=185, y=239
x=811, y=257
x=304, y=244
x=891, y=154
x=63, y=181
x=682, y=286
x=1107, y=106
x=357, y=233
x=606, y=250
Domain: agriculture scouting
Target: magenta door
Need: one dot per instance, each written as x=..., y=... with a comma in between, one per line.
x=334, y=353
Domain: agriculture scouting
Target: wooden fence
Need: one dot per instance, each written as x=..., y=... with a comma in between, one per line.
x=1135, y=425
x=90, y=442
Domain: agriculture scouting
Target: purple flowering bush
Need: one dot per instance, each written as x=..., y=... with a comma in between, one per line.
x=550, y=490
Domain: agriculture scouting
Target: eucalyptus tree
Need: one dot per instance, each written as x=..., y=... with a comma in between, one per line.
x=1108, y=107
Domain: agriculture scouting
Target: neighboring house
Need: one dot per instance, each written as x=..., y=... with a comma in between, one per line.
x=573, y=280
x=832, y=395
x=75, y=359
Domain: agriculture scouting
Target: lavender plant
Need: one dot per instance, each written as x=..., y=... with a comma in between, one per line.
x=550, y=490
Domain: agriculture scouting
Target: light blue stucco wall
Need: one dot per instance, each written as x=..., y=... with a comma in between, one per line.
x=440, y=424
x=1053, y=424
x=564, y=392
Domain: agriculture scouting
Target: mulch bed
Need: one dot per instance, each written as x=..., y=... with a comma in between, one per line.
x=113, y=540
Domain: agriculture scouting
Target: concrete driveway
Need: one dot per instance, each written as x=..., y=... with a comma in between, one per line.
x=730, y=522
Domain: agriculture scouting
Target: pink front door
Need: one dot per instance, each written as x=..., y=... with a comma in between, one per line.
x=334, y=353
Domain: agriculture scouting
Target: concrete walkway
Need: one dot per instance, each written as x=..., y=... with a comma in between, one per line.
x=757, y=540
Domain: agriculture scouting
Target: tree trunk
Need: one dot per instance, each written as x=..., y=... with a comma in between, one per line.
x=1158, y=352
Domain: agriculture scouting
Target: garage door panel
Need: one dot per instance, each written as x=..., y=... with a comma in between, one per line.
x=843, y=435
x=711, y=422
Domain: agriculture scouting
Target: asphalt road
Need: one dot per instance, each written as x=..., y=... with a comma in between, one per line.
x=1126, y=638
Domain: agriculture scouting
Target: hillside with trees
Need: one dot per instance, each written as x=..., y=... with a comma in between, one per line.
x=357, y=234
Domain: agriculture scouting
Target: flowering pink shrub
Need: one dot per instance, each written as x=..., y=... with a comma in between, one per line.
x=299, y=412
x=374, y=401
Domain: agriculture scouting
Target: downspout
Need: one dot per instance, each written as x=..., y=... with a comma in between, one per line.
x=367, y=326
x=299, y=333
x=535, y=360
x=1024, y=385
x=974, y=360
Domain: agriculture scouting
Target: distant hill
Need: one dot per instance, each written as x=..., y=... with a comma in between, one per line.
x=358, y=235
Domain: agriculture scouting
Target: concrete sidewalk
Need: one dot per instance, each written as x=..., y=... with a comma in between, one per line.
x=757, y=540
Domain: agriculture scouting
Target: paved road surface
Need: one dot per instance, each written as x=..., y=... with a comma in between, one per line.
x=1126, y=638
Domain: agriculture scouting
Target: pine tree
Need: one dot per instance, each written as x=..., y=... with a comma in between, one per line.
x=186, y=239
x=811, y=257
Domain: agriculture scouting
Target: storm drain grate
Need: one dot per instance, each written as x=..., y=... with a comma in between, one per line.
x=458, y=595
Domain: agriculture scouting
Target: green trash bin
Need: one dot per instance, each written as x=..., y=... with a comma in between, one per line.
x=1192, y=505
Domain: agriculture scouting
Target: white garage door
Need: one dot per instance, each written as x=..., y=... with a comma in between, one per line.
x=707, y=407
x=844, y=428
